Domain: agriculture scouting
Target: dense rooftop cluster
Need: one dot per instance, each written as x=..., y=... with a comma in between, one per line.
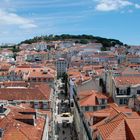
x=99, y=79
x=103, y=88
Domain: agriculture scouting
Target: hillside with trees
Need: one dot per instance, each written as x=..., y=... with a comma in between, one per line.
x=83, y=39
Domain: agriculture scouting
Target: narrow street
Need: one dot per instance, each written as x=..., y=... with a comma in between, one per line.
x=64, y=118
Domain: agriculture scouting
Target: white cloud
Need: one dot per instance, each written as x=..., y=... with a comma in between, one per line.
x=110, y=5
x=7, y=18
x=137, y=6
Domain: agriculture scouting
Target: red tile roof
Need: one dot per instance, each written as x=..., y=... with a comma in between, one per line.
x=14, y=84
x=134, y=127
x=120, y=128
x=78, y=75
x=114, y=130
x=133, y=56
x=121, y=124
x=89, y=98
x=130, y=71
x=127, y=80
x=40, y=75
x=41, y=92
x=17, y=130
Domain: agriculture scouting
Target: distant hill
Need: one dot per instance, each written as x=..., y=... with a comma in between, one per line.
x=83, y=39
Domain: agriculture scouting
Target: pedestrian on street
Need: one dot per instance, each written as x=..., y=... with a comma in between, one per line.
x=63, y=132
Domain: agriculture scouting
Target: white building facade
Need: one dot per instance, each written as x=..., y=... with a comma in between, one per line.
x=61, y=65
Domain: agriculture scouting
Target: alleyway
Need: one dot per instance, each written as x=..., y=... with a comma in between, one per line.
x=65, y=130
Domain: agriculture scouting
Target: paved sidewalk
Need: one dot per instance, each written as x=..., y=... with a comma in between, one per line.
x=66, y=133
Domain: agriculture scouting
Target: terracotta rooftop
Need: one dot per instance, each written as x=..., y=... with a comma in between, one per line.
x=33, y=69
x=89, y=98
x=105, y=112
x=5, y=67
x=41, y=92
x=127, y=80
x=120, y=123
x=133, y=126
x=134, y=65
x=133, y=56
x=14, y=84
x=120, y=128
x=78, y=76
x=91, y=67
x=110, y=130
x=15, y=129
x=41, y=75
x=130, y=71
x=120, y=50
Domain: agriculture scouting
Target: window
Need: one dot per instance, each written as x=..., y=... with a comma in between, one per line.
x=39, y=79
x=125, y=101
x=138, y=91
x=48, y=79
x=44, y=79
x=121, y=101
x=34, y=79
x=100, y=82
x=102, y=107
x=128, y=91
x=117, y=90
x=121, y=92
x=94, y=108
x=86, y=108
x=103, y=101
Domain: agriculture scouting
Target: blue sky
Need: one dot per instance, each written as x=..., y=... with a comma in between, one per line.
x=24, y=19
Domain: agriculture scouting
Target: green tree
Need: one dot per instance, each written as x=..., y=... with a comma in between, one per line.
x=77, y=41
x=84, y=41
x=15, y=49
x=103, y=49
x=14, y=56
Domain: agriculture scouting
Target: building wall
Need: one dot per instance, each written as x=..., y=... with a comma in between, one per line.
x=46, y=129
x=80, y=128
x=61, y=67
x=92, y=84
x=92, y=108
x=124, y=98
x=78, y=118
x=134, y=60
